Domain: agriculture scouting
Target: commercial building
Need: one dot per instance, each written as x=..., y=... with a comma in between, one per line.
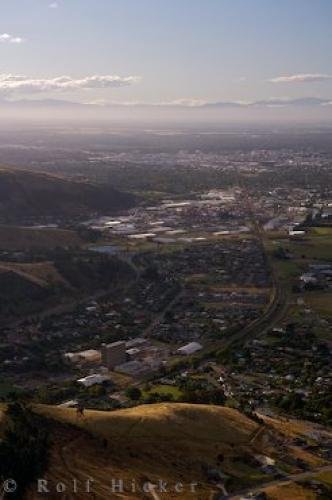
x=189, y=349
x=94, y=379
x=113, y=354
x=88, y=356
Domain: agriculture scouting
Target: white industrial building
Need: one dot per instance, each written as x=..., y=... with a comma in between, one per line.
x=94, y=379
x=190, y=348
x=88, y=356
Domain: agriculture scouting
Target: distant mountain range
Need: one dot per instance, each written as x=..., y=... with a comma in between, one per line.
x=304, y=101
x=24, y=193
x=281, y=110
x=60, y=103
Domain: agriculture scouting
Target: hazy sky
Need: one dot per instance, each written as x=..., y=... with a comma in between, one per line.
x=161, y=51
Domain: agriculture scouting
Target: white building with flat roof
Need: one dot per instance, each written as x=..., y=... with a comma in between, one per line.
x=190, y=348
x=88, y=356
x=94, y=379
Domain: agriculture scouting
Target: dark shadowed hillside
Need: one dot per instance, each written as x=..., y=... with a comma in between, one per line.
x=27, y=288
x=27, y=194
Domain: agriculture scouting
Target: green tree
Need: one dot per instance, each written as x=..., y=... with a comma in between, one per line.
x=134, y=393
x=24, y=448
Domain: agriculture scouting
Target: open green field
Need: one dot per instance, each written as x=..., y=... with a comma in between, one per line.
x=322, y=231
x=315, y=247
x=316, y=244
x=320, y=304
x=165, y=389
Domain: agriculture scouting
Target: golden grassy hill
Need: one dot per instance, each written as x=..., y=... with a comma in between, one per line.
x=172, y=442
x=163, y=421
x=168, y=441
x=176, y=442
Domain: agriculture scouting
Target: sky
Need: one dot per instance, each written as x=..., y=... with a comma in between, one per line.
x=186, y=53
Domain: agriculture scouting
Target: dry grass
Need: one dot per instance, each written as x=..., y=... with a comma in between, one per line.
x=324, y=477
x=41, y=273
x=82, y=457
x=149, y=442
x=164, y=441
x=181, y=422
x=293, y=427
x=290, y=491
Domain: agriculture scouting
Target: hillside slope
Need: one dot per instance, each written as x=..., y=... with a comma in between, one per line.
x=25, y=238
x=175, y=443
x=24, y=194
x=183, y=422
x=42, y=274
x=172, y=442
x=29, y=288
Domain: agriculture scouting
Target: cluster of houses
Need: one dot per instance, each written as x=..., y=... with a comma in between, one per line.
x=222, y=286
x=318, y=275
x=289, y=361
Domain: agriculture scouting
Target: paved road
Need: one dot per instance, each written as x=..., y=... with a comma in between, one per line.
x=280, y=482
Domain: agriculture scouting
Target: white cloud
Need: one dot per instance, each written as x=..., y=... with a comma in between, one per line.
x=53, y=5
x=7, y=38
x=301, y=78
x=19, y=83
